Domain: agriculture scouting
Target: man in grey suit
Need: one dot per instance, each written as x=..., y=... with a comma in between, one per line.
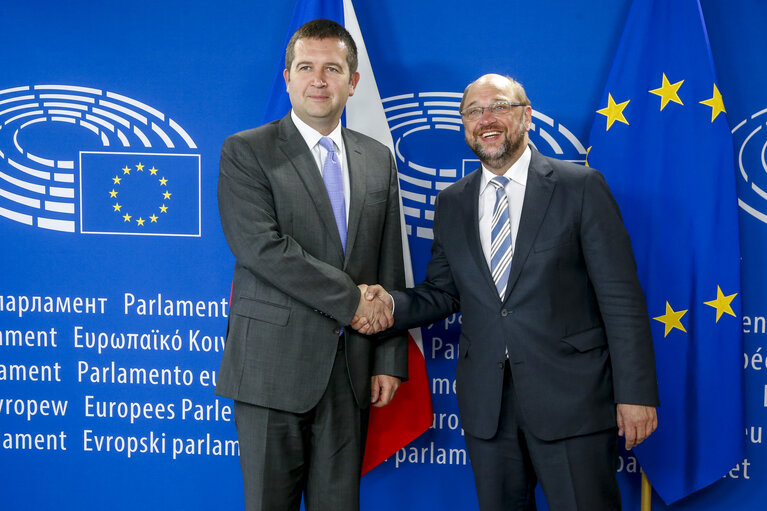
x=309, y=209
x=555, y=348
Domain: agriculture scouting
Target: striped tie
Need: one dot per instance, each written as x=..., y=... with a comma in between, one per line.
x=500, y=239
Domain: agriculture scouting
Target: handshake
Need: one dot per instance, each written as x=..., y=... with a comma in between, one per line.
x=375, y=311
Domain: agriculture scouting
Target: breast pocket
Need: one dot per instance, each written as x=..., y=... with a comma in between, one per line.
x=376, y=198
x=554, y=242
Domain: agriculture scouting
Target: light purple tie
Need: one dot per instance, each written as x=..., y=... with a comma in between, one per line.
x=334, y=182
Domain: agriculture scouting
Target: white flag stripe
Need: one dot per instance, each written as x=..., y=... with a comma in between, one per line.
x=365, y=113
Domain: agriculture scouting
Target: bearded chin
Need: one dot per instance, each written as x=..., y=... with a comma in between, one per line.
x=494, y=157
x=501, y=156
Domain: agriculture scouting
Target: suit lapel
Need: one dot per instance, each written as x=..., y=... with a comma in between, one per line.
x=358, y=184
x=540, y=185
x=471, y=212
x=293, y=146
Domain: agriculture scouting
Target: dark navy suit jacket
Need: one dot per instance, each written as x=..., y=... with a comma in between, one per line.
x=574, y=320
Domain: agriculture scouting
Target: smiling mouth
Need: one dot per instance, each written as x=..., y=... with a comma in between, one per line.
x=317, y=95
x=489, y=134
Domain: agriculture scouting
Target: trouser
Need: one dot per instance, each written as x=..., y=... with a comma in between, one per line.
x=317, y=454
x=576, y=473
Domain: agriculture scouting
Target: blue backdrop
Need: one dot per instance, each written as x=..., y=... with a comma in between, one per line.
x=111, y=329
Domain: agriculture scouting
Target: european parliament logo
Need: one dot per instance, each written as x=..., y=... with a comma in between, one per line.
x=432, y=154
x=78, y=159
x=750, y=138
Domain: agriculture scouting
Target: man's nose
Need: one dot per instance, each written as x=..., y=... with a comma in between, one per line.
x=318, y=80
x=487, y=116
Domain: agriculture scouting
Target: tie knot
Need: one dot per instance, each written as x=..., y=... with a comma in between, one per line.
x=328, y=144
x=499, y=182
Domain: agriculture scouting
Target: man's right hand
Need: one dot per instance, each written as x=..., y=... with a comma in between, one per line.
x=374, y=313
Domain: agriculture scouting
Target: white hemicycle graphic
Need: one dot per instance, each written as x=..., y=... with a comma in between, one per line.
x=40, y=189
x=750, y=141
x=440, y=157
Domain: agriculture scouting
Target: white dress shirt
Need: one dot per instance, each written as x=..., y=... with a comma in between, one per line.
x=312, y=138
x=515, y=191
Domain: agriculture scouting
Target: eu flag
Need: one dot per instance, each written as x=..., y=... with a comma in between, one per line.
x=662, y=140
x=139, y=194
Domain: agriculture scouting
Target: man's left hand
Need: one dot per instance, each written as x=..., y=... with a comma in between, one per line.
x=383, y=388
x=636, y=422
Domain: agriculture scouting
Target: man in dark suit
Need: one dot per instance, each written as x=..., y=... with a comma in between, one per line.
x=309, y=209
x=555, y=347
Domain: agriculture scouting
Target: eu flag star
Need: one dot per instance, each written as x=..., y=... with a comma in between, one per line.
x=671, y=319
x=668, y=92
x=613, y=111
x=716, y=104
x=722, y=304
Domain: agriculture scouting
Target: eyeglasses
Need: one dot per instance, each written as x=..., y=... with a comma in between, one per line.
x=497, y=109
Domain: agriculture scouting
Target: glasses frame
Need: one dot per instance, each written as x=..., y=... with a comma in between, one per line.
x=465, y=112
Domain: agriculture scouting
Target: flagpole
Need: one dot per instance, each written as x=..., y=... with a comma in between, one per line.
x=646, y=493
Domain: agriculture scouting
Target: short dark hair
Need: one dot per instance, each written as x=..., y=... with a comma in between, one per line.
x=323, y=29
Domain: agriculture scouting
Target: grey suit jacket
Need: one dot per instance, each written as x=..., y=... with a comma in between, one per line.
x=294, y=288
x=574, y=319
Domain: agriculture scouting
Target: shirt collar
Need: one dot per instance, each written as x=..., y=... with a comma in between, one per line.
x=312, y=137
x=517, y=172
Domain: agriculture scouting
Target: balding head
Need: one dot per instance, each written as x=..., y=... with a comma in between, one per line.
x=513, y=88
x=496, y=118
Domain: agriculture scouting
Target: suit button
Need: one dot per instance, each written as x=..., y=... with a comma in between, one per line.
x=337, y=331
x=504, y=313
x=500, y=365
